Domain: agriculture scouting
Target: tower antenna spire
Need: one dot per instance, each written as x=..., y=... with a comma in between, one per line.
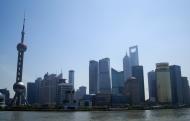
x=23, y=32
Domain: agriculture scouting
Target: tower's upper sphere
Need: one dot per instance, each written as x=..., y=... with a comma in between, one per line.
x=19, y=87
x=21, y=47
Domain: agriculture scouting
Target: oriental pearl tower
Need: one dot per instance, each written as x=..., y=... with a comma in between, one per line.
x=19, y=87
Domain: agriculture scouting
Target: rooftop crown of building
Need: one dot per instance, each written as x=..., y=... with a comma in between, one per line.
x=163, y=65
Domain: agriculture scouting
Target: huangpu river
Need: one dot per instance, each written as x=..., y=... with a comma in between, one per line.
x=136, y=115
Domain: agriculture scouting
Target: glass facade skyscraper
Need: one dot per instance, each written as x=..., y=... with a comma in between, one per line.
x=137, y=72
x=71, y=77
x=117, y=82
x=185, y=90
x=152, y=86
x=31, y=92
x=134, y=56
x=93, y=77
x=104, y=81
x=176, y=84
x=130, y=61
x=126, y=67
x=132, y=91
x=38, y=85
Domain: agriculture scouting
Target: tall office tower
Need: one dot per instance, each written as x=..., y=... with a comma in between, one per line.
x=185, y=91
x=132, y=91
x=71, y=77
x=65, y=92
x=130, y=61
x=152, y=86
x=37, y=86
x=176, y=84
x=137, y=72
x=48, y=89
x=134, y=56
x=93, y=77
x=126, y=67
x=117, y=82
x=19, y=86
x=163, y=83
x=104, y=81
x=31, y=93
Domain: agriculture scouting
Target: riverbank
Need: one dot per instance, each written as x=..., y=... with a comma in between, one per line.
x=25, y=108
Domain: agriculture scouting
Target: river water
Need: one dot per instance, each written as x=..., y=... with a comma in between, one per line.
x=144, y=115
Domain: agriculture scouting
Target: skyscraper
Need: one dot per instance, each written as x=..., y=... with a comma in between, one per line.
x=104, y=81
x=65, y=92
x=185, y=91
x=132, y=91
x=134, y=56
x=137, y=72
x=152, y=86
x=93, y=77
x=130, y=61
x=31, y=92
x=117, y=82
x=163, y=80
x=38, y=82
x=176, y=84
x=19, y=86
x=71, y=77
x=126, y=67
x=48, y=89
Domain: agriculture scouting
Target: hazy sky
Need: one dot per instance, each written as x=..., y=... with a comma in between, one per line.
x=66, y=34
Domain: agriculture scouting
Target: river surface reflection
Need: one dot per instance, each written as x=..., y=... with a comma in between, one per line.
x=148, y=115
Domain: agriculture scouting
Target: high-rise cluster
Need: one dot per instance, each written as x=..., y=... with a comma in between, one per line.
x=168, y=86
x=104, y=81
x=100, y=76
x=51, y=90
x=109, y=87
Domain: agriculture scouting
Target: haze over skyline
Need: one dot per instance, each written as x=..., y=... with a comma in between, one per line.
x=66, y=34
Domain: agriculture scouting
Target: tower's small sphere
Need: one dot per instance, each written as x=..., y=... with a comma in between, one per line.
x=21, y=47
x=19, y=87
